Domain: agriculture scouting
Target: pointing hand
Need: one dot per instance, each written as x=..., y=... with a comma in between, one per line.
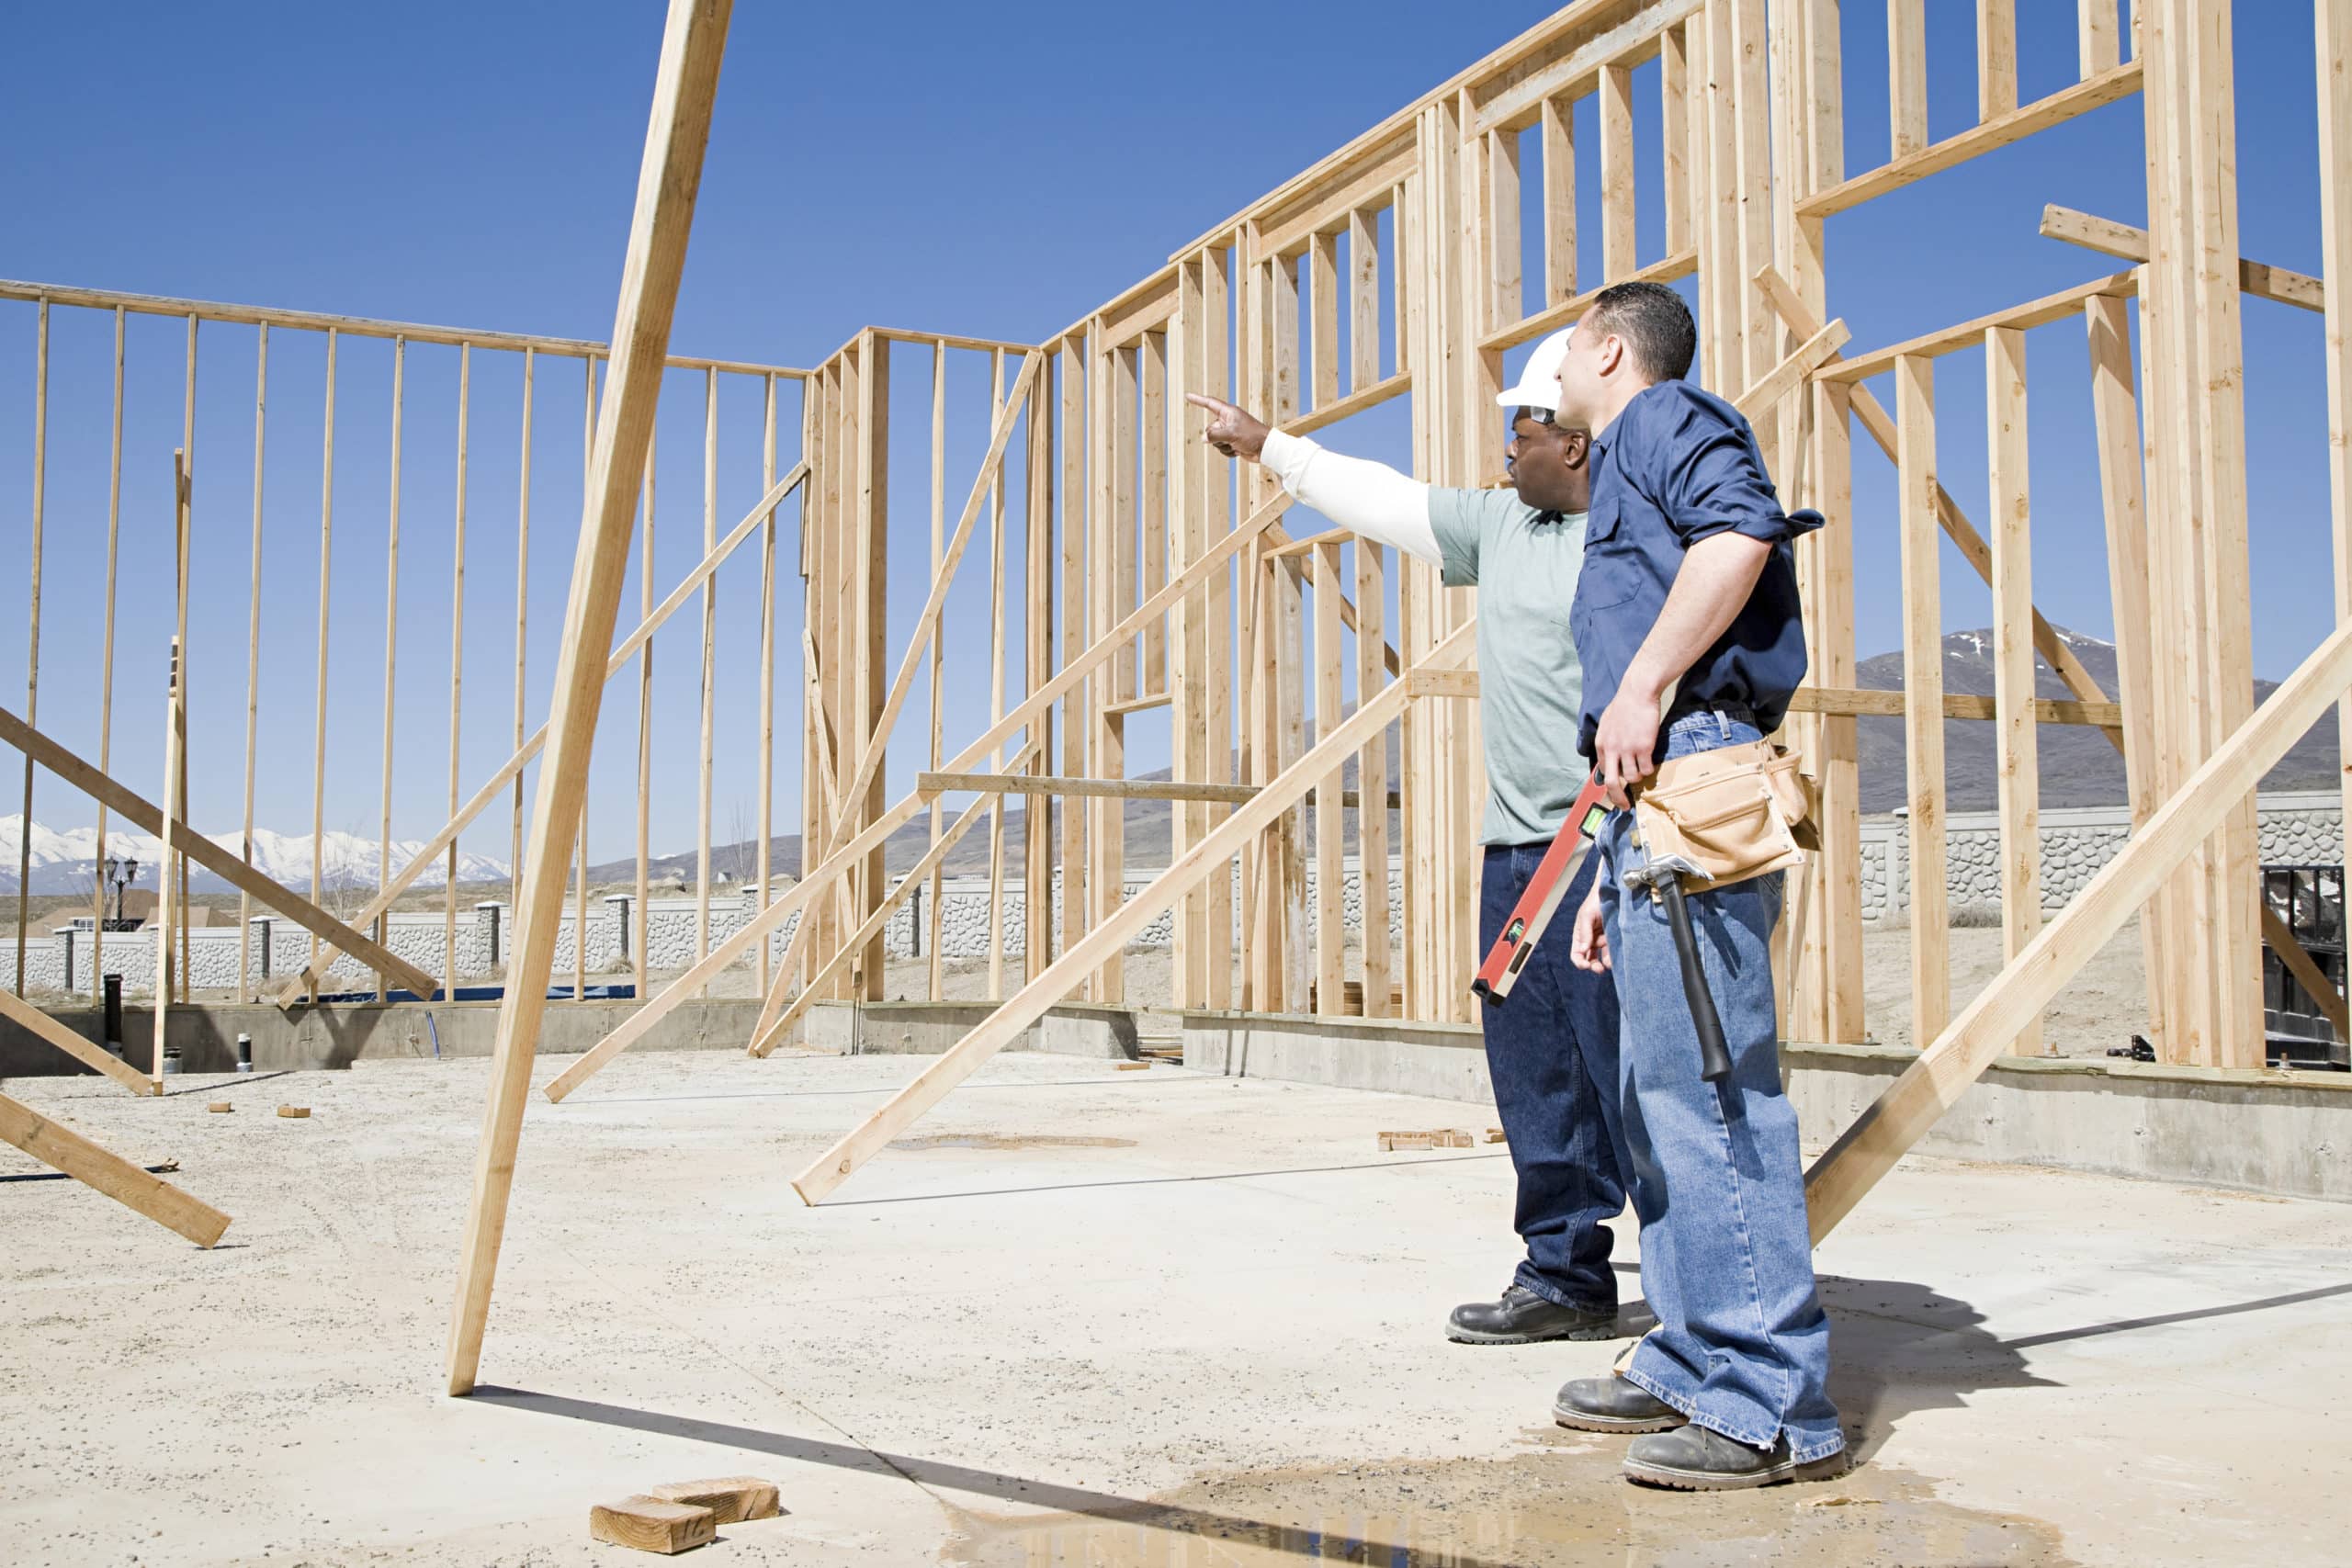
x=1230, y=431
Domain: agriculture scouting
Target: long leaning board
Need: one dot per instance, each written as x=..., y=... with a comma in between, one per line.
x=61, y=1148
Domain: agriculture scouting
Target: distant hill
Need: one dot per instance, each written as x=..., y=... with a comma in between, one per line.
x=2078, y=765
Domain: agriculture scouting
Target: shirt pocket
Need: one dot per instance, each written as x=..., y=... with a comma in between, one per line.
x=1610, y=573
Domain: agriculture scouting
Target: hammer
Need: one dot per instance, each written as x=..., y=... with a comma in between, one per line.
x=1662, y=874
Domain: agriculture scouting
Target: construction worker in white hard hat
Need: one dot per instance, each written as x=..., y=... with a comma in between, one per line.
x=1522, y=549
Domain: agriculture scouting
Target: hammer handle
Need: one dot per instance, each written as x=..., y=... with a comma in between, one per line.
x=1715, y=1060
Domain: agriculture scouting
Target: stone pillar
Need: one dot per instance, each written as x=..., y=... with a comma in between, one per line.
x=487, y=913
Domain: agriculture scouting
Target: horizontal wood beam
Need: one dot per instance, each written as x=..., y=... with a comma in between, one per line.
x=2093, y=92
x=2065, y=305
x=1368, y=187
x=943, y=340
x=1142, y=704
x=2111, y=238
x=1305, y=544
x=1282, y=547
x=61, y=1148
x=1515, y=102
x=27, y=1016
x=1851, y=702
x=356, y=326
x=1355, y=403
x=846, y=954
x=1566, y=313
x=142, y=813
x=928, y=784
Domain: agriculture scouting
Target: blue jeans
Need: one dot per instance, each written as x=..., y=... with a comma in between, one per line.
x=1742, y=1346
x=1554, y=1110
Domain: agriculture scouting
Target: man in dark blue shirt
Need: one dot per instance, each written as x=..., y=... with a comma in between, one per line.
x=1686, y=621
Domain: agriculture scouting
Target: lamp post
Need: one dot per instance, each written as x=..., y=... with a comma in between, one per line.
x=119, y=874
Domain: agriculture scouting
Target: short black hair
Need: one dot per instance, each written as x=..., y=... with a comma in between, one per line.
x=1655, y=323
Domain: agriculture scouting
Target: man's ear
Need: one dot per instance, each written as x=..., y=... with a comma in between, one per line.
x=1576, y=445
x=1613, y=354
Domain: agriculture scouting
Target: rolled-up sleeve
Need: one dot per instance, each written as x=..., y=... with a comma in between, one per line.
x=1714, y=483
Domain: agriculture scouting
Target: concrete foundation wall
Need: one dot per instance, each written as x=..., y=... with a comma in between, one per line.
x=276, y=947
x=924, y=1028
x=2289, y=1134
x=335, y=1036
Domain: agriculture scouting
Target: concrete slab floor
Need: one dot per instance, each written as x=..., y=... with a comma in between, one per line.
x=1195, y=1322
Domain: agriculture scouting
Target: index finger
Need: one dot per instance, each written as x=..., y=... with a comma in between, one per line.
x=1214, y=405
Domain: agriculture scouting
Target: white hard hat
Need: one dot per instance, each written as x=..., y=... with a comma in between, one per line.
x=1539, y=379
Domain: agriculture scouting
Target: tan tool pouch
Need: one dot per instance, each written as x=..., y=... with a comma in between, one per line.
x=1734, y=813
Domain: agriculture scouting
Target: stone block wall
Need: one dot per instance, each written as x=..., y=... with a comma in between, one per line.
x=2298, y=828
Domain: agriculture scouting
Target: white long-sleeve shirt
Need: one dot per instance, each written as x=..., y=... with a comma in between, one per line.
x=1524, y=565
x=1367, y=498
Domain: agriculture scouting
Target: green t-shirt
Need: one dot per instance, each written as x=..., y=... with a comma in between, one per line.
x=1530, y=688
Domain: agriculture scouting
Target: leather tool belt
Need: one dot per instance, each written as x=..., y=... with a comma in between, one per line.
x=1731, y=813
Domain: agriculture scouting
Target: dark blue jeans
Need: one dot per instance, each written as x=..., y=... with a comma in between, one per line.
x=1563, y=1143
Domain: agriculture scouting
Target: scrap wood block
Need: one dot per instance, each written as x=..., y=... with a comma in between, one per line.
x=1444, y=1138
x=649, y=1523
x=294, y=1110
x=1495, y=1135
x=219, y=1105
x=1132, y=1067
x=731, y=1499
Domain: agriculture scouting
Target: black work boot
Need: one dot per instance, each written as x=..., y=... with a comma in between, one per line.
x=1696, y=1460
x=1612, y=1405
x=1522, y=1318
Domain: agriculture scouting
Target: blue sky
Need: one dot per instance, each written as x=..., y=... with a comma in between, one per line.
x=924, y=167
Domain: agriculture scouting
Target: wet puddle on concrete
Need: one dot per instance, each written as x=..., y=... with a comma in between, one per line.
x=1568, y=1508
x=1006, y=1141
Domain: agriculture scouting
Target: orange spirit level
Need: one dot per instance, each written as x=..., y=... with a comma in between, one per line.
x=1537, y=905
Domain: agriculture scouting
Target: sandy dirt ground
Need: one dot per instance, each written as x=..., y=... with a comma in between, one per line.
x=1080, y=1315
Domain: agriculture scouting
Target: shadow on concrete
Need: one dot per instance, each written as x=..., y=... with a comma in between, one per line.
x=930, y=1473
x=234, y=1080
x=1157, y=1180
x=2230, y=1309
x=1896, y=1348
x=65, y=1175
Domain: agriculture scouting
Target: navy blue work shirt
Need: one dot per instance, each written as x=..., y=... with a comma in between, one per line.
x=1679, y=465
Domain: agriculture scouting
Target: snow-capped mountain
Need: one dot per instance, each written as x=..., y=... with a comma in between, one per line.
x=67, y=862
x=2077, y=766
